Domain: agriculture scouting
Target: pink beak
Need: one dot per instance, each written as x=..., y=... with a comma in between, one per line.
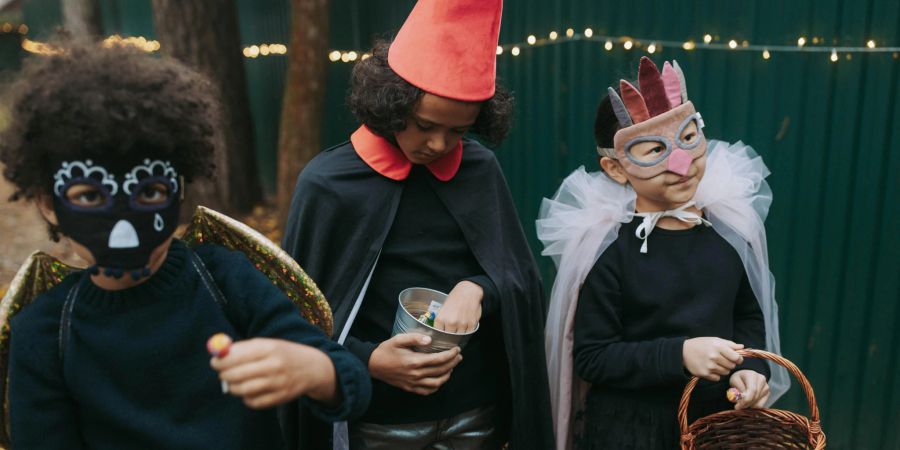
x=679, y=162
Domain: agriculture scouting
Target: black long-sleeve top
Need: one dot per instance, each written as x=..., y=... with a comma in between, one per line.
x=635, y=310
x=135, y=372
x=426, y=248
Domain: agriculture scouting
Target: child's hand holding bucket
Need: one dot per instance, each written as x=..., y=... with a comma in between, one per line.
x=461, y=311
x=396, y=362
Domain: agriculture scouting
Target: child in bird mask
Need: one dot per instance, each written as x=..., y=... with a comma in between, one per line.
x=662, y=273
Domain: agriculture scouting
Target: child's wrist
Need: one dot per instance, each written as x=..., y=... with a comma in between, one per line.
x=323, y=388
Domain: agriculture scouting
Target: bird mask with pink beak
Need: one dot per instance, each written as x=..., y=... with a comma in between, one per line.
x=657, y=113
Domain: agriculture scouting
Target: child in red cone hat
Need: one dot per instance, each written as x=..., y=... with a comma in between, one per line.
x=411, y=201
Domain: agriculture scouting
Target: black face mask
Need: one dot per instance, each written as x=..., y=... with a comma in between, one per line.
x=119, y=211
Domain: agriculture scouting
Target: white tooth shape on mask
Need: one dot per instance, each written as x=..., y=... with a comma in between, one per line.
x=123, y=235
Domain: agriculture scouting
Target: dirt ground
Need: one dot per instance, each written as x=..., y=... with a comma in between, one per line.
x=22, y=231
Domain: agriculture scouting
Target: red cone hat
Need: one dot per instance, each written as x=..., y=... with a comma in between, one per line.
x=449, y=48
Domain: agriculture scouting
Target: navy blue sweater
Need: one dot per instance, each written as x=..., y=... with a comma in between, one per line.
x=135, y=373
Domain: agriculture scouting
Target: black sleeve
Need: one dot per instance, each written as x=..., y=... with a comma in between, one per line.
x=601, y=355
x=259, y=309
x=42, y=413
x=749, y=327
x=361, y=349
x=490, y=303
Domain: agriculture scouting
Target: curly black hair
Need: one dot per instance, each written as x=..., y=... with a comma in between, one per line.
x=383, y=101
x=92, y=100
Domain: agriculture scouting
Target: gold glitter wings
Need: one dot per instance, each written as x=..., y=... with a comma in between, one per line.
x=211, y=227
x=38, y=274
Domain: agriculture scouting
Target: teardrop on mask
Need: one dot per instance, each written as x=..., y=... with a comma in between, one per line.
x=158, y=223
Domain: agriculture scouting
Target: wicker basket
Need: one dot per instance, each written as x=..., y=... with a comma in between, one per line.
x=753, y=428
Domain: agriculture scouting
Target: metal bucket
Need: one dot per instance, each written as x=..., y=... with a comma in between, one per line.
x=414, y=302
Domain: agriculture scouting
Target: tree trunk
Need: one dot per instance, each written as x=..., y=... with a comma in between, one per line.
x=203, y=34
x=82, y=18
x=304, y=95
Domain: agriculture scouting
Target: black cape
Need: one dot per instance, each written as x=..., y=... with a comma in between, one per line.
x=340, y=215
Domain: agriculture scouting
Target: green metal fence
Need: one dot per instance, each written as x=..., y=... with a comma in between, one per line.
x=826, y=129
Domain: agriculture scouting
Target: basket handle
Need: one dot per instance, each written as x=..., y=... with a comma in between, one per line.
x=791, y=367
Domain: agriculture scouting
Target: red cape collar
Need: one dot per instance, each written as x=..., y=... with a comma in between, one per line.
x=388, y=160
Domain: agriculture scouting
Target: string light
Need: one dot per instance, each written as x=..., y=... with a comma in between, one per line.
x=277, y=49
x=628, y=43
x=140, y=42
x=38, y=48
x=710, y=43
x=257, y=50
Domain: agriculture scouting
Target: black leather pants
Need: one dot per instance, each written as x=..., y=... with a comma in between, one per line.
x=471, y=430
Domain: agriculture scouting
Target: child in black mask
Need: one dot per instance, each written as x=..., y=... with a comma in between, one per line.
x=104, y=140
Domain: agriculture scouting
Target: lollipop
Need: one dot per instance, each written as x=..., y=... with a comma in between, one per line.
x=734, y=395
x=218, y=346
